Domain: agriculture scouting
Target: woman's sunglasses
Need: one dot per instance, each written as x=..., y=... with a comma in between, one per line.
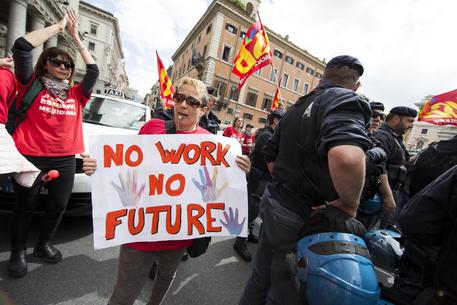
x=190, y=100
x=57, y=62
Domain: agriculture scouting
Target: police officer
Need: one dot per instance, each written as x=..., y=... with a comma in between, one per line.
x=377, y=116
x=376, y=196
x=316, y=156
x=431, y=163
x=257, y=181
x=429, y=226
x=209, y=120
x=390, y=137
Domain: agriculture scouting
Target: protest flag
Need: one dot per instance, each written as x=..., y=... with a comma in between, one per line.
x=277, y=99
x=254, y=53
x=166, y=87
x=440, y=109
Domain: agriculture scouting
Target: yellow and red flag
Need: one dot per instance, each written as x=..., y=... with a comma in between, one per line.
x=277, y=99
x=440, y=109
x=166, y=87
x=254, y=53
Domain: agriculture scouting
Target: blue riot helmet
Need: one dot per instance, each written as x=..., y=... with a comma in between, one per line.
x=385, y=250
x=371, y=206
x=335, y=268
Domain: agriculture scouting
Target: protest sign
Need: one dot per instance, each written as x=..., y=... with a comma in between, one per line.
x=166, y=187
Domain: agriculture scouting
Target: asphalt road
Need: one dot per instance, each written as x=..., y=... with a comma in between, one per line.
x=86, y=276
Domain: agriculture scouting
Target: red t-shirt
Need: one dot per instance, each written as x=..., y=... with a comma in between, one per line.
x=156, y=126
x=8, y=89
x=247, y=140
x=231, y=132
x=52, y=127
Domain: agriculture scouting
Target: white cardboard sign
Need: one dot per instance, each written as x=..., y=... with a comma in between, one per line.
x=166, y=187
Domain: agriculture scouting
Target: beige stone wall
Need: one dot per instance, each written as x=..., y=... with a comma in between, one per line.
x=218, y=71
x=423, y=134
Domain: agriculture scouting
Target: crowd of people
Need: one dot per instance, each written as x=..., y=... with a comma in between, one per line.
x=332, y=151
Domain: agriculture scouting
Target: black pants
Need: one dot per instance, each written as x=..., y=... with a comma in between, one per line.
x=59, y=191
x=257, y=183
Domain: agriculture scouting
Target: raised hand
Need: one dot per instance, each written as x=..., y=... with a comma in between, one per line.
x=63, y=22
x=72, y=25
x=231, y=222
x=207, y=187
x=128, y=192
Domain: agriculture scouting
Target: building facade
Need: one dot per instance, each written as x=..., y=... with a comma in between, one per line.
x=101, y=33
x=210, y=48
x=153, y=98
x=18, y=17
x=423, y=134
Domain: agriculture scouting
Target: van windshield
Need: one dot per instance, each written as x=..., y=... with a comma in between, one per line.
x=107, y=112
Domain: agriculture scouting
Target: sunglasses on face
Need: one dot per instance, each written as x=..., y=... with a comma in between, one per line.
x=57, y=63
x=378, y=114
x=190, y=100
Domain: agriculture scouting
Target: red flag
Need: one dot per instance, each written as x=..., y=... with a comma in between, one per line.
x=277, y=98
x=254, y=53
x=440, y=109
x=166, y=87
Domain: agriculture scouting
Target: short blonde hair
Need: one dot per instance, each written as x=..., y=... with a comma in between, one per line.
x=198, y=85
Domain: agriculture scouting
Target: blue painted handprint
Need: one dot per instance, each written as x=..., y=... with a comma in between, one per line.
x=231, y=222
x=207, y=187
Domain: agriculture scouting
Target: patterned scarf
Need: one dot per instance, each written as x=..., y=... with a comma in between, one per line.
x=55, y=86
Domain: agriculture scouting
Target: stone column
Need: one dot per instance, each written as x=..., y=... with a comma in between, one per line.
x=16, y=22
x=37, y=24
x=51, y=42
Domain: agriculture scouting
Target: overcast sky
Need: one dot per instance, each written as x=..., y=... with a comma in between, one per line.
x=408, y=47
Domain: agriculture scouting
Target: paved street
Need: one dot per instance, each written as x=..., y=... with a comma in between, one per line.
x=86, y=276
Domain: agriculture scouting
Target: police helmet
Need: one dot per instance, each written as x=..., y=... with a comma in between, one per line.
x=337, y=270
x=385, y=250
x=371, y=206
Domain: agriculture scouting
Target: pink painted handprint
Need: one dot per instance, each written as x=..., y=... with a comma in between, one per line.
x=128, y=192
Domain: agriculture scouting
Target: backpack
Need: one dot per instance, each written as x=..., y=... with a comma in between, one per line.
x=16, y=113
x=199, y=245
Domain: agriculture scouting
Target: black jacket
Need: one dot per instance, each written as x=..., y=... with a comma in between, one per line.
x=210, y=122
x=397, y=155
x=328, y=116
x=429, y=219
x=262, y=137
x=431, y=163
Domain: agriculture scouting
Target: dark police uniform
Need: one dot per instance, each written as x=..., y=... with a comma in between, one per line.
x=429, y=225
x=262, y=137
x=431, y=163
x=259, y=174
x=327, y=117
x=210, y=122
x=397, y=155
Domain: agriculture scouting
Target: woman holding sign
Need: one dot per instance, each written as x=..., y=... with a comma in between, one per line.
x=135, y=258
